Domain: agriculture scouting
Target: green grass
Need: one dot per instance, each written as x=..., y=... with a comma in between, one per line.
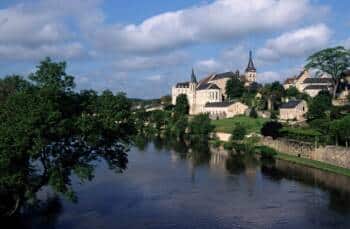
x=313, y=164
x=227, y=125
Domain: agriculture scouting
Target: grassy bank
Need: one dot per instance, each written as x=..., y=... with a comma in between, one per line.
x=227, y=125
x=313, y=164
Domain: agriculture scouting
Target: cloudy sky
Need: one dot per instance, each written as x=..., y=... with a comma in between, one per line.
x=143, y=47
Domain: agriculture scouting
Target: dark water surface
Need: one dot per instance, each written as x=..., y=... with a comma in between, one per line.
x=163, y=188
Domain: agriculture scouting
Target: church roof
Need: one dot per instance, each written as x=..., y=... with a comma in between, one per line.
x=219, y=104
x=250, y=67
x=223, y=75
x=183, y=85
x=318, y=80
x=316, y=87
x=193, y=77
x=290, y=104
x=207, y=86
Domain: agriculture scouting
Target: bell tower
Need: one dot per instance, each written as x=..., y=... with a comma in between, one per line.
x=250, y=71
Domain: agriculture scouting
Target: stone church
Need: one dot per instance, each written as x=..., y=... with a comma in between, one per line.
x=208, y=95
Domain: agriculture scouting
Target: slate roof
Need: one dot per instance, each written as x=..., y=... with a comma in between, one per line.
x=318, y=80
x=223, y=75
x=219, y=104
x=250, y=67
x=347, y=72
x=290, y=104
x=316, y=87
x=183, y=85
x=193, y=77
x=206, y=86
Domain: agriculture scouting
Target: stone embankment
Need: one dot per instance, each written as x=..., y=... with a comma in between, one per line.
x=334, y=155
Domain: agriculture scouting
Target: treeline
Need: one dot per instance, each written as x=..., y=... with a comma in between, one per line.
x=174, y=123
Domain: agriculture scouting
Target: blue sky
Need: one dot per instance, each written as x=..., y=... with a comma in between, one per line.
x=144, y=47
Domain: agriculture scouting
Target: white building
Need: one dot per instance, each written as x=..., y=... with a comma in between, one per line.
x=293, y=110
x=211, y=90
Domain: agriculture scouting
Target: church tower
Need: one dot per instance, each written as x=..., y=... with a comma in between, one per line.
x=250, y=71
x=193, y=82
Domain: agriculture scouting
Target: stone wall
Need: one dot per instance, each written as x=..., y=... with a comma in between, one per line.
x=334, y=155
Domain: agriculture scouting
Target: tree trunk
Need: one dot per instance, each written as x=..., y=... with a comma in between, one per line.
x=335, y=88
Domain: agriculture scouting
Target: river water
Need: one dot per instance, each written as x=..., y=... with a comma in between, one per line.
x=174, y=187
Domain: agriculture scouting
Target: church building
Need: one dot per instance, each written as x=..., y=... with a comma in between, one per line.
x=209, y=95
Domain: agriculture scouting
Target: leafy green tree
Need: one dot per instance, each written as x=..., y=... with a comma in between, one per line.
x=234, y=88
x=239, y=132
x=271, y=129
x=11, y=85
x=340, y=130
x=200, y=128
x=182, y=106
x=179, y=127
x=332, y=61
x=47, y=134
x=273, y=94
x=319, y=105
x=52, y=74
x=292, y=92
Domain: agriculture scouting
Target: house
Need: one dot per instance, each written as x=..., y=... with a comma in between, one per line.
x=211, y=90
x=305, y=83
x=221, y=110
x=293, y=110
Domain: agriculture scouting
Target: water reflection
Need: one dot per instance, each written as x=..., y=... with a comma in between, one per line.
x=172, y=184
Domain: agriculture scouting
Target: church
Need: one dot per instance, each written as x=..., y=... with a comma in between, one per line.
x=209, y=95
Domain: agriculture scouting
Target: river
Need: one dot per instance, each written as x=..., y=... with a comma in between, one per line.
x=174, y=187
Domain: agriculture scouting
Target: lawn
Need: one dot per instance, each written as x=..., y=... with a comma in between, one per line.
x=251, y=124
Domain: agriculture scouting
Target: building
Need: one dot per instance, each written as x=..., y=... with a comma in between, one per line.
x=211, y=90
x=293, y=110
x=225, y=109
x=307, y=84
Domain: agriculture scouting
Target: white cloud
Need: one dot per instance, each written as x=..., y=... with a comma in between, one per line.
x=138, y=63
x=298, y=43
x=221, y=19
x=347, y=43
x=208, y=66
x=154, y=78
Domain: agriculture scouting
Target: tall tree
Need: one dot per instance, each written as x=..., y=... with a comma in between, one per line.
x=182, y=106
x=332, y=61
x=273, y=94
x=234, y=88
x=319, y=105
x=12, y=84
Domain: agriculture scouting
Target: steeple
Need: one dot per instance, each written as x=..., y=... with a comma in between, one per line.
x=250, y=67
x=193, y=77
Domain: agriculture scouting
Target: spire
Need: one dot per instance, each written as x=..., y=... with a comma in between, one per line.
x=250, y=67
x=193, y=77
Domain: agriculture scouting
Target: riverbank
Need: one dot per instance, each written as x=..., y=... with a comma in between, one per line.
x=299, y=156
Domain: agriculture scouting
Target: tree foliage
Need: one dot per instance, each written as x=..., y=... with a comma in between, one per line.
x=182, y=106
x=200, y=128
x=271, y=129
x=239, y=132
x=234, y=88
x=332, y=61
x=319, y=105
x=48, y=133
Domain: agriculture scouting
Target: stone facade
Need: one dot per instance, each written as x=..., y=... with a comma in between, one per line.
x=225, y=110
x=211, y=90
x=293, y=110
x=307, y=84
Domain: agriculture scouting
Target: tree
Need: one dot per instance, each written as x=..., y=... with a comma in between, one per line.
x=292, y=92
x=200, y=127
x=319, y=105
x=340, y=130
x=239, y=132
x=12, y=84
x=271, y=129
x=182, y=106
x=234, y=88
x=51, y=74
x=48, y=135
x=273, y=94
x=332, y=61
x=253, y=113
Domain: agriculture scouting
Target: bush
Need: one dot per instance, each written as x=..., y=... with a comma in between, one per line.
x=302, y=134
x=266, y=152
x=239, y=132
x=271, y=129
x=253, y=113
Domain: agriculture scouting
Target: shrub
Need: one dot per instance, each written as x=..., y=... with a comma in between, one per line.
x=271, y=129
x=253, y=113
x=302, y=134
x=239, y=132
x=266, y=152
